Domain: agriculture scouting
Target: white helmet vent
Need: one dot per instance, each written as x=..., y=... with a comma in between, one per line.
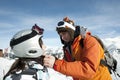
x=32, y=51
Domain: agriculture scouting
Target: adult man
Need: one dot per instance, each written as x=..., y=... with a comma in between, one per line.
x=81, y=61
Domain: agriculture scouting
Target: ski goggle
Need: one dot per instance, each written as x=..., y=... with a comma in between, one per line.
x=65, y=25
x=36, y=30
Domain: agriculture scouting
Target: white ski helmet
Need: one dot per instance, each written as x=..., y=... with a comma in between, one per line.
x=26, y=43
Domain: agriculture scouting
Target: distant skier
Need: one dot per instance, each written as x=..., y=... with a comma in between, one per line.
x=28, y=47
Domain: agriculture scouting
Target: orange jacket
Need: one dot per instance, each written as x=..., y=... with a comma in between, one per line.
x=87, y=61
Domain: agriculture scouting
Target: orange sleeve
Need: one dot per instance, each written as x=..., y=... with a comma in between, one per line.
x=85, y=68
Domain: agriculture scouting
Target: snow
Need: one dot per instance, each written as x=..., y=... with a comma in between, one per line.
x=112, y=45
x=117, y=57
x=5, y=64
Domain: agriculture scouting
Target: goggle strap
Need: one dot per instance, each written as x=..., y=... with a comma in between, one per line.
x=14, y=42
x=65, y=24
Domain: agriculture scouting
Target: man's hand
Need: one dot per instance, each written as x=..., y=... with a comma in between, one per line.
x=49, y=61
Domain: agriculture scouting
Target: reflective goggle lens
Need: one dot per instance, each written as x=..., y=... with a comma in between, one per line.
x=60, y=23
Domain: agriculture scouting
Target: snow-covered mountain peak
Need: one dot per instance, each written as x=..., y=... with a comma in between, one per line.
x=112, y=41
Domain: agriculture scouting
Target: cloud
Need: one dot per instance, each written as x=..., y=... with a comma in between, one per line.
x=103, y=20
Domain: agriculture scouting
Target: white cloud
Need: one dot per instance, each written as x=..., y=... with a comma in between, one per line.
x=103, y=22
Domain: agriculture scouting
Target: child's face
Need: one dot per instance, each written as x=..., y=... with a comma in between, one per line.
x=43, y=47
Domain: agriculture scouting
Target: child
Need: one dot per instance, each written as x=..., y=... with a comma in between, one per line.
x=28, y=47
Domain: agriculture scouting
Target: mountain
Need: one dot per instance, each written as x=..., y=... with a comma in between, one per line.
x=112, y=44
x=110, y=41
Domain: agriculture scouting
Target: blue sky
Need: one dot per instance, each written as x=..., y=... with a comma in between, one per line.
x=101, y=17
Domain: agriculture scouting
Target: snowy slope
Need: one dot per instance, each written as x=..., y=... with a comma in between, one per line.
x=113, y=44
x=117, y=57
x=5, y=64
